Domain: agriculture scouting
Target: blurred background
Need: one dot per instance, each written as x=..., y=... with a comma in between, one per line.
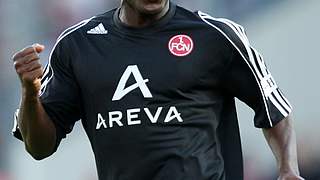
x=286, y=33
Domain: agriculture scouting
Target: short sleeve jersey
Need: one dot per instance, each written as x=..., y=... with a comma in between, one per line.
x=158, y=103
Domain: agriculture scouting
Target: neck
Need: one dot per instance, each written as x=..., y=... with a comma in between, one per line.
x=133, y=18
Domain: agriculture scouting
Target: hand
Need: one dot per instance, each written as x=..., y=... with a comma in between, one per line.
x=290, y=176
x=28, y=67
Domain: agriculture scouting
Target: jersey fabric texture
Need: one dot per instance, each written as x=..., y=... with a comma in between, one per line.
x=158, y=103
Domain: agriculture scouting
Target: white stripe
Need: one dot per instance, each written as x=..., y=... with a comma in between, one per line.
x=46, y=72
x=81, y=24
x=203, y=16
x=281, y=100
x=237, y=26
x=255, y=66
x=287, y=103
x=266, y=73
x=240, y=30
x=259, y=60
x=278, y=106
x=15, y=121
x=245, y=42
x=47, y=68
x=286, y=100
x=241, y=34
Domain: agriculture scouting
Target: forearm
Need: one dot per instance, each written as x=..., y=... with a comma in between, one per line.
x=282, y=141
x=37, y=130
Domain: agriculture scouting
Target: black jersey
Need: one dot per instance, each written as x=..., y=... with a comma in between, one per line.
x=157, y=103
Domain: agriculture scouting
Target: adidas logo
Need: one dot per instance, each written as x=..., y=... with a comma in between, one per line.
x=98, y=30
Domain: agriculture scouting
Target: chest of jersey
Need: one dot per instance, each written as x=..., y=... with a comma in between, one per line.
x=142, y=65
x=125, y=77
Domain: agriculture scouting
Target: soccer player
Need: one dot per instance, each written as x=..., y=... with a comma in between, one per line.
x=154, y=86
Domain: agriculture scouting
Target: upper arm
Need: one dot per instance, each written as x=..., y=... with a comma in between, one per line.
x=247, y=76
x=60, y=93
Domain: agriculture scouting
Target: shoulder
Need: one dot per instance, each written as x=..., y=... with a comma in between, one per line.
x=227, y=29
x=74, y=35
x=223, y=25
x=84, y=26
x=231, y=31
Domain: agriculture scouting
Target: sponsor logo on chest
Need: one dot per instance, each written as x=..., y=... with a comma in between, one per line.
x=131, y=116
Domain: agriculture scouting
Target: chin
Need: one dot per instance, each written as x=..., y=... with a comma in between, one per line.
x=148, y=7
x=151, y=11
x=153, y=7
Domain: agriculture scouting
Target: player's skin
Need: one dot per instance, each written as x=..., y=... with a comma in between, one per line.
x=39, y=133
x=37, y=130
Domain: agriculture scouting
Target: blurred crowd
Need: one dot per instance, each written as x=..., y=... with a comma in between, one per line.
x=25, y=22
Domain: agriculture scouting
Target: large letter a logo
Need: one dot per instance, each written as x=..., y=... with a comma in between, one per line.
x=121, y=91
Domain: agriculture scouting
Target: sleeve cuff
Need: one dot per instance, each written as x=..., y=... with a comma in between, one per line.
x=15, y=130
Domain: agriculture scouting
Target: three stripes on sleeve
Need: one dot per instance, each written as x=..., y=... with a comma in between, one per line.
x=255, y=62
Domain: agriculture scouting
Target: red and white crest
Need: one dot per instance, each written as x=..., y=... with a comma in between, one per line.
x=181, y=45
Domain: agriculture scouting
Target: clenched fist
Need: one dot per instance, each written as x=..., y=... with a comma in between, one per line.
x=28, y=67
